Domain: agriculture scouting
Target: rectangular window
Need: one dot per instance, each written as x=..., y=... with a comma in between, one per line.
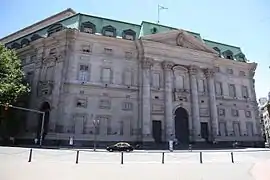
x=33, y=58
x=121, y=128
x=250, y=131
x=98, y=122
x=127, y=78
x=53, y=51
x=229, y=71
x=88, y=127
x=219, y=90
x=179, y=82
x=248, y=114
x=156, y=80
x=232, y=92
x=201, y=85
x=108, y=51
x=105, y=104
x=30, y=77
x=84, y=73
x=244, y=92
x=242, y=73
x=235, y=112
x=82, y=103
x=86, y=49
x=106, y=75
x=127, y=106
x=109, y=126
x=221, y=112
x=49, y=73
x=128, y=55
x=236, y=129
x=223, y=129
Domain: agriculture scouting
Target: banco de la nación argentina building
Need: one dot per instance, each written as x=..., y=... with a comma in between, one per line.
x=109, y=80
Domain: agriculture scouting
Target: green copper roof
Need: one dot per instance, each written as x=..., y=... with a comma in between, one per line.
x=145, y=28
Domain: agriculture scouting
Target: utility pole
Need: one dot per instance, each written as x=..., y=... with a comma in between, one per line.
x=160, y=8
x=31, y=110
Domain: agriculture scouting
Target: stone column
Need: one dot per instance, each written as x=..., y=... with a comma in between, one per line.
x=209, y=73
x=168, y=101
x=146, y=99
x=195, y=102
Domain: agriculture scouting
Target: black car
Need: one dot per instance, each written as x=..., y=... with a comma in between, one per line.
x=121, y=146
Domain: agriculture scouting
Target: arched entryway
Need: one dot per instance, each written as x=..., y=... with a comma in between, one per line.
x=45, y=107
x=181, y=125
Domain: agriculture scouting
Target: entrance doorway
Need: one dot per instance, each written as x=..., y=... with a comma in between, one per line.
x=181, y=125
x=156, y=129
x=45, y=107
x=204, y=131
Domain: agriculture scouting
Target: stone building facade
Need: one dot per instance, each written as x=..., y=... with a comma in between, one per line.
x=117, y=81
x=264, y=108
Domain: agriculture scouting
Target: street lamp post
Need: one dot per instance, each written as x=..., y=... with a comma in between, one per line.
x=95, y=123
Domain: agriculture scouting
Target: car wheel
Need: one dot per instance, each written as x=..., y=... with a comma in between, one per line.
x=110, y=150
x=128, y=150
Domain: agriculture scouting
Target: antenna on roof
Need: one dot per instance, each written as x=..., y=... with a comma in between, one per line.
x=160, y=8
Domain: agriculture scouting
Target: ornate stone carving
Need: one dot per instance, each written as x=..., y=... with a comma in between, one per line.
x=193, y=70
x=209, y=72
x=252, y=69
x=45, y=88
x=147, y=63
x=167, y=65
x=180, y=39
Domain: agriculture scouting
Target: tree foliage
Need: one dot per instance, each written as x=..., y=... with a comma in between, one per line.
x=12, y=84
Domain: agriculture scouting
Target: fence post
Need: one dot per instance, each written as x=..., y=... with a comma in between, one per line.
x=30, y=155
x=232, y=157
x=201, y=161
x=122, y=157
x=77, y=157
x=162, y=159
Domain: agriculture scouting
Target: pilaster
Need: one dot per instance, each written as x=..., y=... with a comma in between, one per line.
x=193, y=70
x=209, y=73
x=146, y=63
x=169, y=122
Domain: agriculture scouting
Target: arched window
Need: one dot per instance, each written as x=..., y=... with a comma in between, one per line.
x=109, y=31
x=154, y=30
x=88, y=27
x=228, y=54
x=240, y=57
x=25, y=42
x=54, y=28
x=218, y=51
x=129, y=34
x=35, y=37
x=15, y=46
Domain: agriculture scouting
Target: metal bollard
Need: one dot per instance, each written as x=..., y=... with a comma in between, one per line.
x=122, y=157
x=162, y=159
x=30, y=155
x=201, y=161
x=77, y=157
x=232, y=157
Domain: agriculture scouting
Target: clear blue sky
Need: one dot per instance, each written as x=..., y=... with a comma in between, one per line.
x=244, y=23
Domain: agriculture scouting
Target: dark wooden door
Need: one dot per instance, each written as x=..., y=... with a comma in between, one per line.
x=156, y=129
x=204, y=130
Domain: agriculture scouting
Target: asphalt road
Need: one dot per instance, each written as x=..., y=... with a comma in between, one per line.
x=60, y=164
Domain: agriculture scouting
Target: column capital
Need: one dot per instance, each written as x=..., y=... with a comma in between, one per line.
x=147, y=63
x=209, y=72
x=193, y=69
x=167, y=65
